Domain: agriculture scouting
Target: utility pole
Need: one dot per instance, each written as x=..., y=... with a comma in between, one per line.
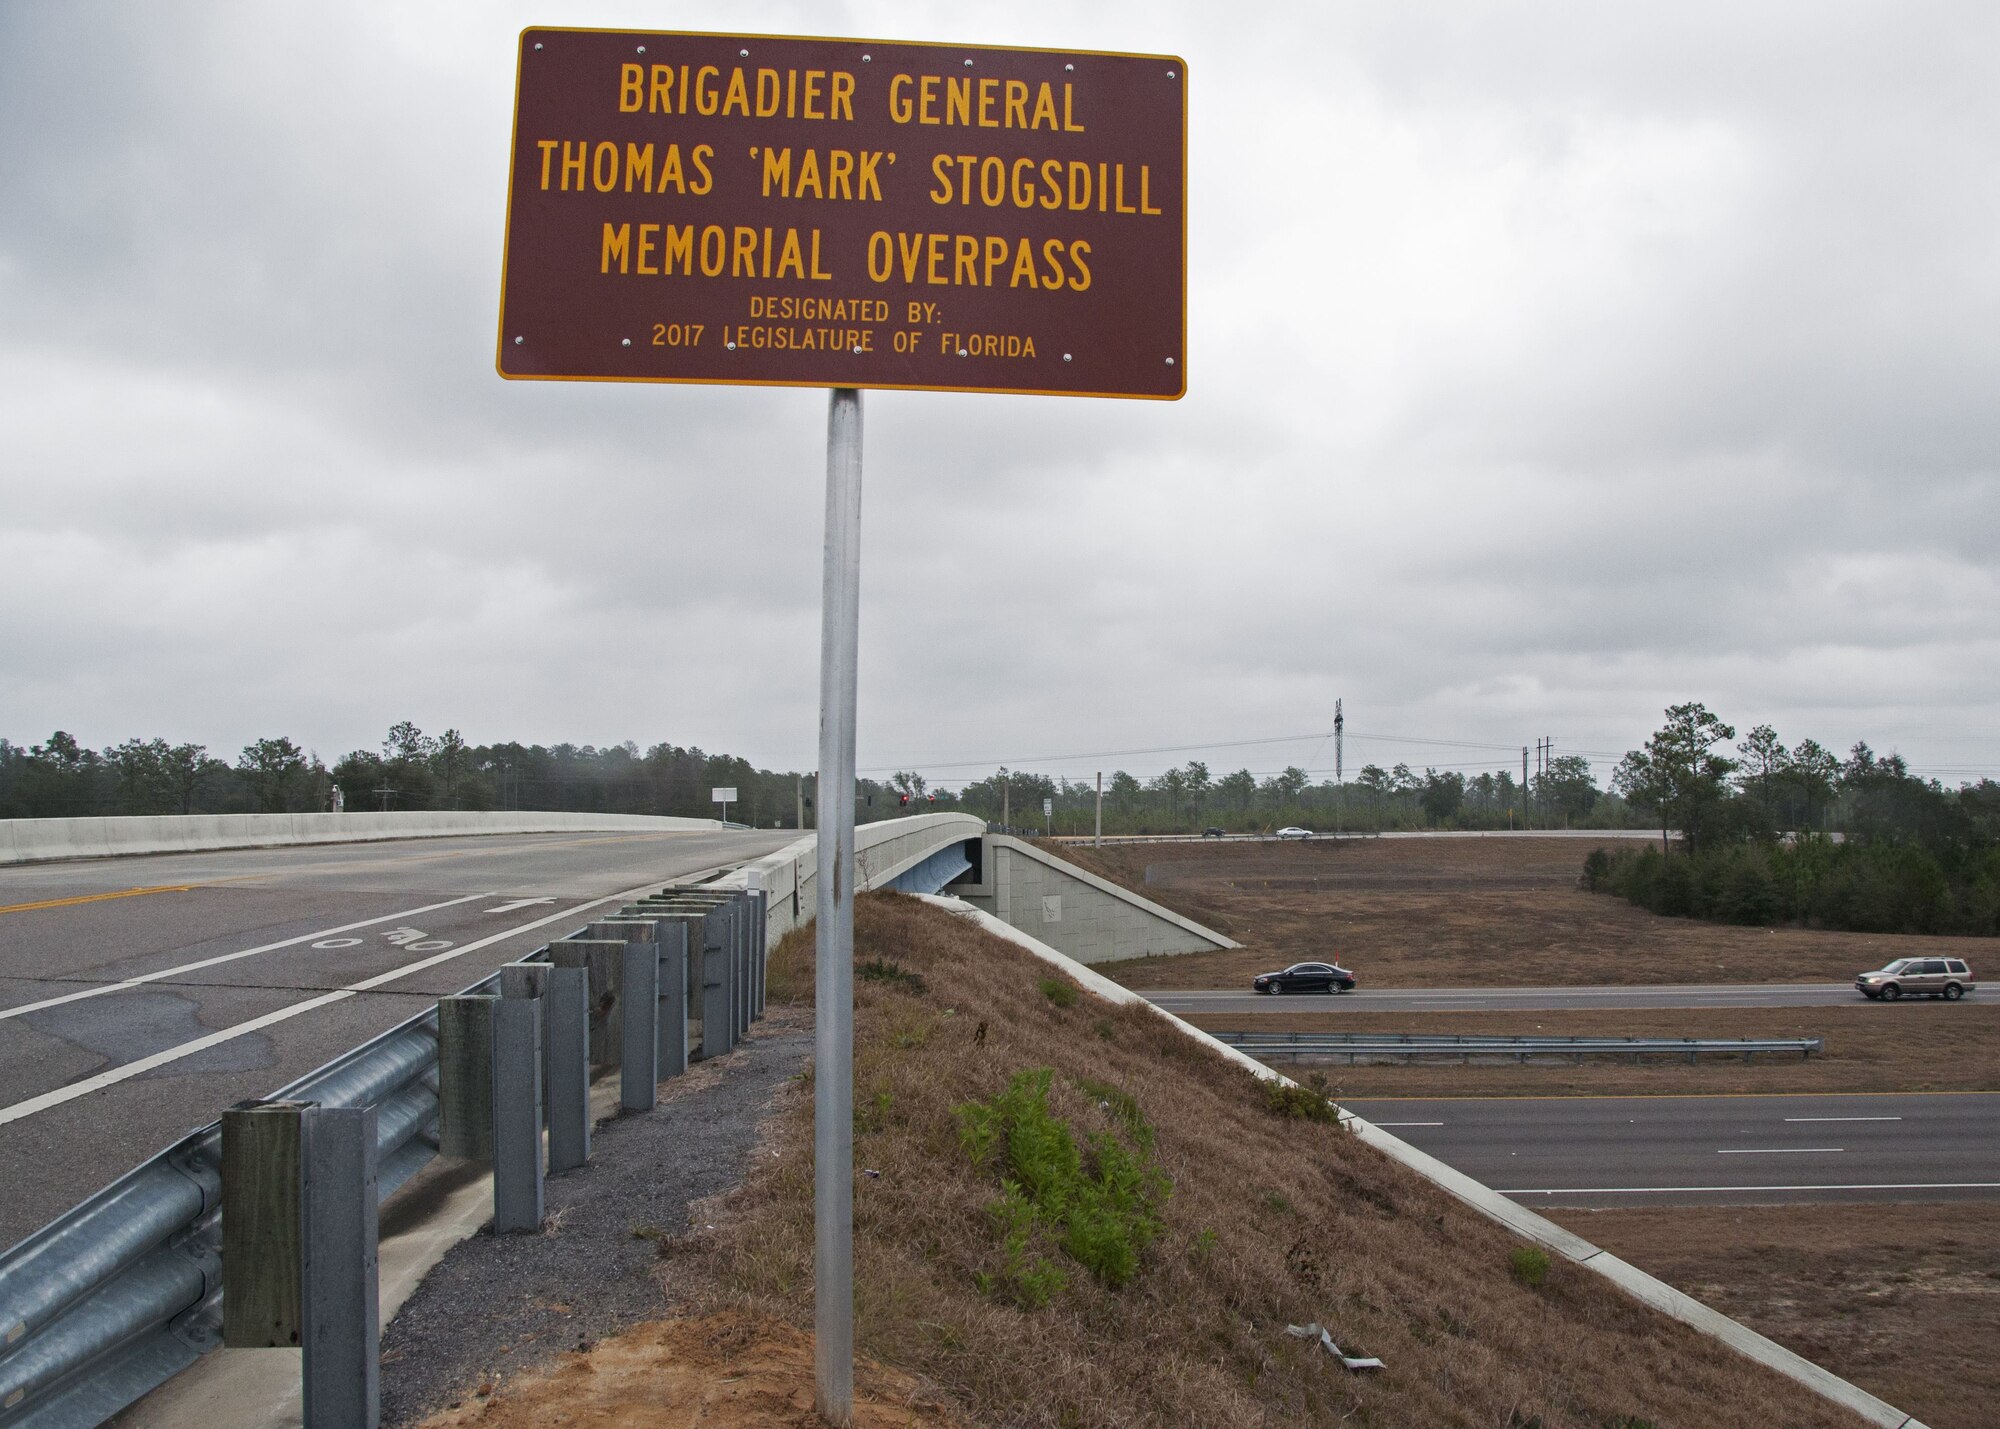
x=1004, y=813
x=1098, y=838
x=799, y=794
x=1339, y=773
x=1524, y=786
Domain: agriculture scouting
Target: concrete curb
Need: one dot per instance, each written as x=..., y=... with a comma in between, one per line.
x=1489, y=1203
x=46, y=840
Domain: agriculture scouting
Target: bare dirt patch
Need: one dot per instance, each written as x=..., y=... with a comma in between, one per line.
x=1903, y=1300
x=745, y=1371
x=1459, y=912
x=1870, y=1047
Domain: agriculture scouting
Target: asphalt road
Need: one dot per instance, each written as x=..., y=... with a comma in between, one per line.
x=1510, y=999
x=141, y=996
x=1652, y=1151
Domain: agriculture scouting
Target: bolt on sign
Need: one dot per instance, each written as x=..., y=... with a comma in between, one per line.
x=846, y=213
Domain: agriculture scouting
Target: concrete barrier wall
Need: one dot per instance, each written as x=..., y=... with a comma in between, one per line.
x=881, y=852
x=38, y=840
x=1085, y=917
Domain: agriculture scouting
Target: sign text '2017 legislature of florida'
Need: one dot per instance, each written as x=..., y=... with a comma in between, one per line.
x=846, y=213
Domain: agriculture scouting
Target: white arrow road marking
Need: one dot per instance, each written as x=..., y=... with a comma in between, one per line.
x=144, y=978
x=121, y=1073
x=518, y=904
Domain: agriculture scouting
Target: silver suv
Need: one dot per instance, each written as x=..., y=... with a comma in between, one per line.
x=1949, y=978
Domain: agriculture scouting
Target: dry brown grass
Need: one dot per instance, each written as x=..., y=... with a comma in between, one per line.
x=1903, y=1300
x=1271, y=1222
x=1911, y=1046
x=1459, y=913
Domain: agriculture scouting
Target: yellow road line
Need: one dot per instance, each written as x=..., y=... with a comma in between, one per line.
x=97, y=897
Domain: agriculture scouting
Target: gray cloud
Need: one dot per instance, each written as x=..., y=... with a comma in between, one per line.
x=1546, y=367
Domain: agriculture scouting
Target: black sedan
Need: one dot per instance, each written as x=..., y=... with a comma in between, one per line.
x=1306, y=977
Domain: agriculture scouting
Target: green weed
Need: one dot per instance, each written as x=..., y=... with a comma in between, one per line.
x=900, y=978
x=1530, y=1265
x=1059, y=991
x=1099, y=1204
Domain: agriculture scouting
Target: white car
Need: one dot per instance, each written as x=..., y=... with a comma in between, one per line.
x=1293, y=831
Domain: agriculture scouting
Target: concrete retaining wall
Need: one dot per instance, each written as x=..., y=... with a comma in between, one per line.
x=39, y=840
x=1083, y=916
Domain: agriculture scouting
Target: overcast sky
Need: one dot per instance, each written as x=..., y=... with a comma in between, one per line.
x=1548, y=364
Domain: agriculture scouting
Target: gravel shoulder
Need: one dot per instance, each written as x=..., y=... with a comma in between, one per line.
x=496, y=1305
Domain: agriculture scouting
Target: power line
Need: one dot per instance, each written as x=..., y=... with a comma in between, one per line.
x=1320, y=735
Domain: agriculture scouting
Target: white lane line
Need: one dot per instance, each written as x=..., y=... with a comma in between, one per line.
x=1409, y=1123
x=128, y=1070
x=1778, y=1150
x=1843, y=1118
x=1691, y=1190
x=144, y=978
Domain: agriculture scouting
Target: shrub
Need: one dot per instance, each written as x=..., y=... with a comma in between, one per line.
x=900, y=978
x=1099, y=1209
x=1060, y=991
x=1310, y=1102
x=1530, y=1264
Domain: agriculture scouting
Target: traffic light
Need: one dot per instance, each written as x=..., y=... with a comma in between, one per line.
x=903, y=799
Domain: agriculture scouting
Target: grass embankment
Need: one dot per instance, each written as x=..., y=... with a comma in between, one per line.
x=1024, y=1307
x=1904, y=1299
x=1461, y=913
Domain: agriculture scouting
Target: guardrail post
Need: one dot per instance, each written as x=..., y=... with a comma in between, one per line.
x=739, y=966
x=673, y=936
x=465, y=1077
x=759, y=900
x=602, y=957
x=760, y=944
x=639, y=1056
x=263, y=1247
x=517, y=1115
x=531, y=981
x=341, y=1374
x=716, y=1037
x=566, y=1007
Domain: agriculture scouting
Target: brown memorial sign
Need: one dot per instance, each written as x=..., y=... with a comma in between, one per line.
x=846, y=213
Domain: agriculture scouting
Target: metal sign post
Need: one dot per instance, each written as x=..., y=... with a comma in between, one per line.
x=833, y=983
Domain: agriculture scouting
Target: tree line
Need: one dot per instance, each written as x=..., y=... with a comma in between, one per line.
x=1770, y=834
x=62, y=778
x=1190, y=798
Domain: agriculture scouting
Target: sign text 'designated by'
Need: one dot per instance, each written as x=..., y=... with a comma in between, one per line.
x=846, y=213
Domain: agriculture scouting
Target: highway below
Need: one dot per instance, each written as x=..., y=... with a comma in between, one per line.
x=1710, y=1151
x=139, y=997
x=1510, y=999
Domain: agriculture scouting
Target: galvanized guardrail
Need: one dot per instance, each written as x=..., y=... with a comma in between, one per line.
x=1356, y=1045
x=125, y=1290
